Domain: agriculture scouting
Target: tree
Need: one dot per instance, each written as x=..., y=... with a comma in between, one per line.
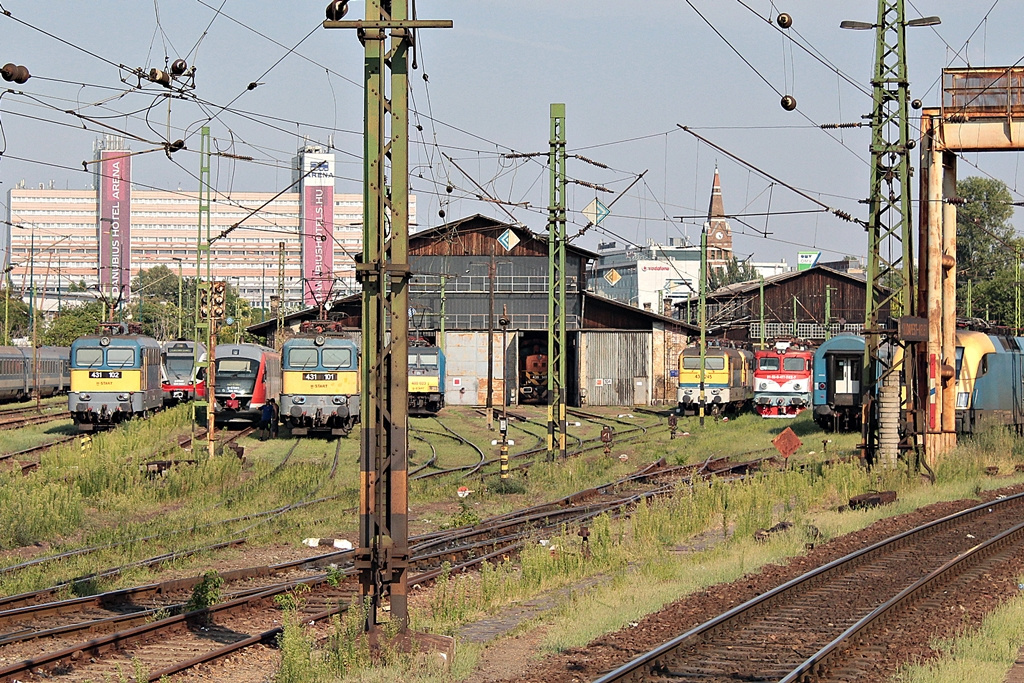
x=17, y=314
x=72, y=323
x=734, y=271
x=987, y=247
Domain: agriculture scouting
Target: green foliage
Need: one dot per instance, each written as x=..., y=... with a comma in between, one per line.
x=986, y=246
x=29, y=514
x=734, y=271
x=294, y=599
x=466, y=516
x=206, y=593
x=72, y=323
x=17, y=314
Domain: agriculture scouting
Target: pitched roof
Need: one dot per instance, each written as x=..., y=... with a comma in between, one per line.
x=480, y=223
x=737, y=288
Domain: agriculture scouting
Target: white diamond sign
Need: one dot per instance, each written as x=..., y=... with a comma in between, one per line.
x=508, y=240
x=596, y=211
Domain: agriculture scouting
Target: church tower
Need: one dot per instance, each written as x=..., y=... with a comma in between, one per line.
x=719, y=232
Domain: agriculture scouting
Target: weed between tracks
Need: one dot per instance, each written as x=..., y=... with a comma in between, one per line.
x=699, y=537
x=101, y=497
x=672, y=547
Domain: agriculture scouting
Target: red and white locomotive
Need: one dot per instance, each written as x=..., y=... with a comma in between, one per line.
x=782, y=380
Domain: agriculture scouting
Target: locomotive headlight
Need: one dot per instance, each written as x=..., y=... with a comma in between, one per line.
x=715, y=392
x=84, y=397
x=122, y=397
x=340, y=400
x=298, y=400
x=764, y=385
x=797, y=387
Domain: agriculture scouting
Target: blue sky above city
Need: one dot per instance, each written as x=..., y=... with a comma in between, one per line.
x=629, y=74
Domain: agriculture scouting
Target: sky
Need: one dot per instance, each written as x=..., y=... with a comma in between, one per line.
x=630, y=74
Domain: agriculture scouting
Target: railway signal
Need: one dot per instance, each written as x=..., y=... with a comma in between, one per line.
x=217, y=300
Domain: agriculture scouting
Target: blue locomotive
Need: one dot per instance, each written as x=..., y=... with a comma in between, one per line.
x=426, y=378
x=321, y=384
x=23, y=372
x=114, y=376
x=989, y=380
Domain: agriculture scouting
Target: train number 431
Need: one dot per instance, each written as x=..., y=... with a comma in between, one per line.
x=319, y=376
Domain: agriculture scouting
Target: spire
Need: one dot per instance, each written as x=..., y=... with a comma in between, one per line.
x=717, y=208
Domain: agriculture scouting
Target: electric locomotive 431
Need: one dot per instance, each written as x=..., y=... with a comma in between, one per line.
x=245, y=377
x=426, y=378
x=321, y=384
x=728, y=379
x=114, y=376
x=782, y=380
x=179, y=373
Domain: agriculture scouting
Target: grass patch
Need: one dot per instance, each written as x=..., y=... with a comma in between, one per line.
x=983, y=655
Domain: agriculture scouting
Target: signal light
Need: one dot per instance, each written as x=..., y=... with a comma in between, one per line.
x=217, y=299
x=204, y=302
x=336, y=10
x=13, y=72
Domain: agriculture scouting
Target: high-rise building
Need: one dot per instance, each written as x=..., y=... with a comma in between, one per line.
x=68, y=235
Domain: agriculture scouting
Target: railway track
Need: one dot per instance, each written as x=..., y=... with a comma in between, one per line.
x=823, y=625
x=29, y=417
x=147, y=623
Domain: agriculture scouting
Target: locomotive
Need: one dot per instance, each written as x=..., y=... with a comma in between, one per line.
x=533, y=373
x=728, y=380
x=245, y=377
x=989, y=377
x=24, y=372
x=426, y=378
x=321, y=384
x=115, y=376
x=179, y=375
x=782, y=380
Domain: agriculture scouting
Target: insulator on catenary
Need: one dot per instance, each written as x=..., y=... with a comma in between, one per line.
x=590, y=161
x=842, y=214
x=956, y=201
x=14, y=72
x=830, y=126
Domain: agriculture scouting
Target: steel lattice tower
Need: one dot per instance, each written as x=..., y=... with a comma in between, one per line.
x=556, y=286
x=890, y=272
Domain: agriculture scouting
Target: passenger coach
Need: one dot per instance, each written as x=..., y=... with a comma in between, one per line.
x=114, y=377
x=179, y=375
x=23, y=373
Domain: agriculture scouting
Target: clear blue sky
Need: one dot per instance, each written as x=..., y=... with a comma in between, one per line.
x=628, y=73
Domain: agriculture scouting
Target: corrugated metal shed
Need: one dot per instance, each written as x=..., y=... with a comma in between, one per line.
x=616, y=368
x=466, y=369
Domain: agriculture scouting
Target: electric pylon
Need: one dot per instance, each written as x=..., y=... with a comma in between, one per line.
x=556, y=286
x=204, y=325
x=382, y=558
x=891, y=281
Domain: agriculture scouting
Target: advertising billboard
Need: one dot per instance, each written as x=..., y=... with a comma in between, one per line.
x=115, y=223
x=317, y=226
x=807, y=259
